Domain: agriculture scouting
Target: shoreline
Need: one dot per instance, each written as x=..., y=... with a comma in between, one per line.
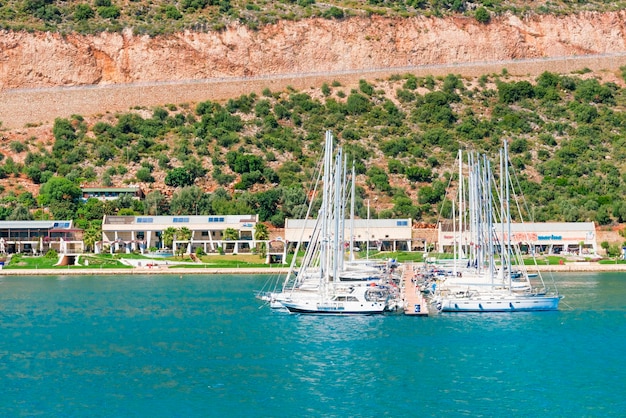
x=141, y=271
x=579, y=267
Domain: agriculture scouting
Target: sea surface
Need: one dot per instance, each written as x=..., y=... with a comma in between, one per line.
x=203, y=346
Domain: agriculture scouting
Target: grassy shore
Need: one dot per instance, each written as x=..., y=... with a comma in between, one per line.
x=134, y=264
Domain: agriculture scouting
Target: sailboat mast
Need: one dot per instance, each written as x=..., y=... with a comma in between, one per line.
x=488, y=182
x=473, y=203
x=341, y=200
x=460, y=208
x=508, y=209
x=367, y=243
x=352, y=199
x=323, y=213
x=454, y=244
x=337, y=218
x=503, y=249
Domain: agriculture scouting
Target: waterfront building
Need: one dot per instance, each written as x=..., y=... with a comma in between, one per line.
x=375, y=234
x=37, y=237
x=141, y=233
x=567, y=238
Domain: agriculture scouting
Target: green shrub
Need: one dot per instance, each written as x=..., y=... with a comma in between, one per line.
x=482, y=15
x=110, y=12
x=52, y=254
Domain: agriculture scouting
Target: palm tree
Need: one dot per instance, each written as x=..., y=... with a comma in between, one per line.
x=231, y=234
x=168, y=236
x=261, y=233
x=92, y=235
x=184, y=234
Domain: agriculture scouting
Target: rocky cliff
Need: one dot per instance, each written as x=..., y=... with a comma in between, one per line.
x=34, y=60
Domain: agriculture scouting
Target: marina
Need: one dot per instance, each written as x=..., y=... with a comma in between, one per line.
x=160, y=346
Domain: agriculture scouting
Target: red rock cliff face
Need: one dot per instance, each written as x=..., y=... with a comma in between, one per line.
x=30, y=60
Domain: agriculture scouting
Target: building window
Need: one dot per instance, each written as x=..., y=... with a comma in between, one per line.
x=216, y=219
x=145, y=220
x=181, y=220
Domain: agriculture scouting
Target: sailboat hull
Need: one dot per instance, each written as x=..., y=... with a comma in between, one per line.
x=332, y=308
x=510, y=303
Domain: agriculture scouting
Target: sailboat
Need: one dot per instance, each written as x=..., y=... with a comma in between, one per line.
x=485, y=280
x=324, y=284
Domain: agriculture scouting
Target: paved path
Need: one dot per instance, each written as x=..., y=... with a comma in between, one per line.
x=19, y=107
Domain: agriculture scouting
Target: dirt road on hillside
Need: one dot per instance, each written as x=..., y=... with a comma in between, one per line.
x=41, y=106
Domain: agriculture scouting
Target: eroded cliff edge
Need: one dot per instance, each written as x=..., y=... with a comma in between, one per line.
x=35, y=60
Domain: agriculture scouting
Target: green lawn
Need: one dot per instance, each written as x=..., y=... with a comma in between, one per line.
x=21, y=262
x=100, y=261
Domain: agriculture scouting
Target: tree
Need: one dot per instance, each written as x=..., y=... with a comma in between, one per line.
x=358, y=104
x=65, y=137
x=168, y=236
x=333, y=13
x=144, y=174
x=179, y=177
x=183, y=233
x=268, y=203
x=92, y=235
x=155, y=203
x=20, y=213
x=83, y=11
x=244, y=163
x=61, y=196
x=261, y=233
x=231, y=234
x=186, y=200
x=109, y=12
x=92, y=209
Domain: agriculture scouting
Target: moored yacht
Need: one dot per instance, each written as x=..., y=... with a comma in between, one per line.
x=357, y=300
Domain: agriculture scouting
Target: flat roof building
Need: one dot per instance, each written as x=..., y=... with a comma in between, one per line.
x=380, y=234
x=112, y=193
x=577, y=238
x=37, y=237
x=141, y=233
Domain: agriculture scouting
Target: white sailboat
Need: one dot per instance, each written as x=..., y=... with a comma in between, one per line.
x=323, y=284
x=485, y=280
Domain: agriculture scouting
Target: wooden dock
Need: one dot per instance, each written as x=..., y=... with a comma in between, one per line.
x=414, y=302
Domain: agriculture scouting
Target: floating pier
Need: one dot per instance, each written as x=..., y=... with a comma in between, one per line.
x=414, y=302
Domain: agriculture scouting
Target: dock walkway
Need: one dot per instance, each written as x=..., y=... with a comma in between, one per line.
x=414, y=301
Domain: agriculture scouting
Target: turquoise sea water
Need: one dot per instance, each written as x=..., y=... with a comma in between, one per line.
x=164, y=346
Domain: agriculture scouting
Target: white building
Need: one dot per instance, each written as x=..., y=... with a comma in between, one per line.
x=379, y=234
x=544, y=237
x=140, y=233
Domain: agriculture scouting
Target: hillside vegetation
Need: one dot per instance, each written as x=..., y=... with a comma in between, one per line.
x=161, y=16
x=257, y=153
